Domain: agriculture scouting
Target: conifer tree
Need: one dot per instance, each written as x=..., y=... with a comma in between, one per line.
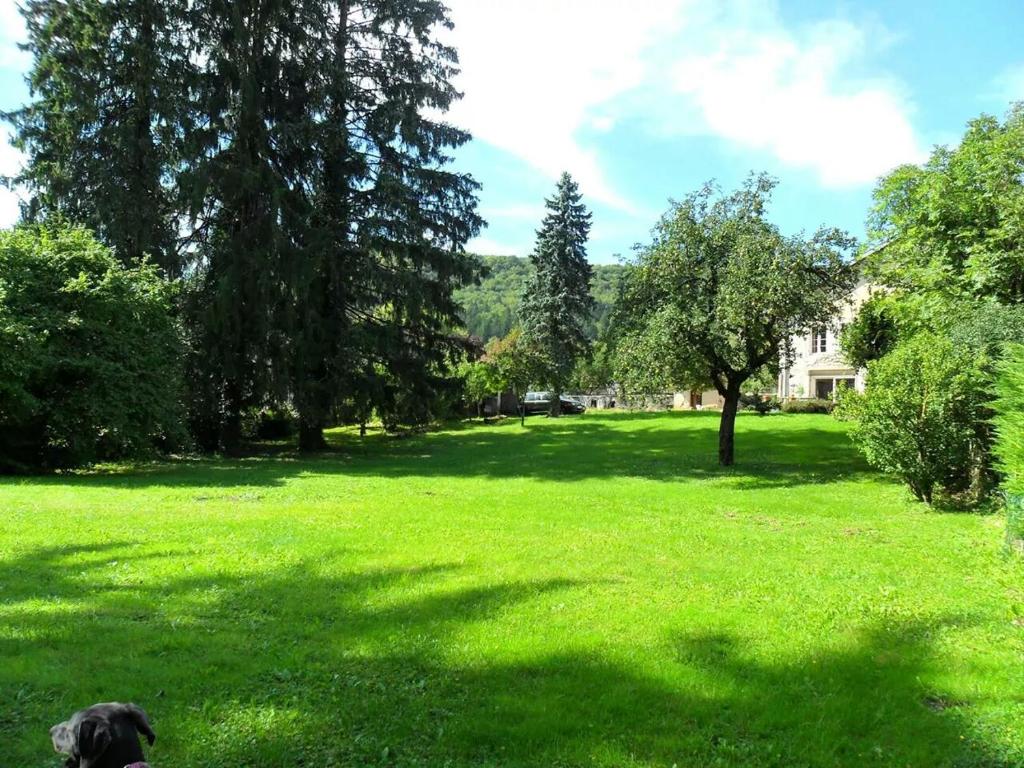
x=390, y=218
x=286, y=158
x=557, y=301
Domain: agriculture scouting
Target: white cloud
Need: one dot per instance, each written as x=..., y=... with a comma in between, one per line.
x=793, y=94
x=537, y=72
x=534, y=71
x=488, y=247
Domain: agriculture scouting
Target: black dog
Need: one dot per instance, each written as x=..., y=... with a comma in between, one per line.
x=103, y=736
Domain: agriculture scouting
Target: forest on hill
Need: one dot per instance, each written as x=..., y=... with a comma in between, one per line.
x=489, y=309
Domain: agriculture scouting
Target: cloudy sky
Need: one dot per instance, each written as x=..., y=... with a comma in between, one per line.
x=644, y=101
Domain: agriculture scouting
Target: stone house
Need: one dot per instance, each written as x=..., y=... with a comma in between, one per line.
x=818, y=367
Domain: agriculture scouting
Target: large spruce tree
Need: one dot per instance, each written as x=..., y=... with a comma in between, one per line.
x=389, y=219
x=247, y=187
x=557, y=301
x=287, y=159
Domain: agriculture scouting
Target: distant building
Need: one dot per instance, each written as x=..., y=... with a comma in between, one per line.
x=818, y=367
x=695, y=400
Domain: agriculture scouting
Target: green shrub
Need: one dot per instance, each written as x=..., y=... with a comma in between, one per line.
x=872, y=333
x=808, y=406
x=89, y=353
x=919, y=414
x=1009, y=444
x=755, y=401
x=272, y=423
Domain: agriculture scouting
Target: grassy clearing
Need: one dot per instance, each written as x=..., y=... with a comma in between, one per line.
x=587, y=591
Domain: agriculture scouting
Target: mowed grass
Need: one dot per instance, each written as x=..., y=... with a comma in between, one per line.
x=587, y=591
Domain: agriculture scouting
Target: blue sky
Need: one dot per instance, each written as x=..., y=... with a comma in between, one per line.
x=644, y=101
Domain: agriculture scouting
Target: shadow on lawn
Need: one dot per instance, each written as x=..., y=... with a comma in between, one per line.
x=771, y=452
x=370, y=669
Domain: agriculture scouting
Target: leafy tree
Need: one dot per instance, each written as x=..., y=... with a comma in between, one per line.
x=946, y=249
x=517, y=365
x=873, y=332
x=90, y=363
x=951, y=228
x=105, y=129
x=596, y=371
x=1009, y=446
x=917, y=418
x=481, y=380
x=557, y=302
x=288, y=158
x=720, y=291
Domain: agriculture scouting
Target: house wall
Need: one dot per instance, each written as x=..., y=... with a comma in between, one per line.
x=808, y=367
x=683, y=401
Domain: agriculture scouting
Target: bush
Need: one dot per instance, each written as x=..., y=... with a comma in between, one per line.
x=274, y=423
x=1009, y=444
x=919, y=414
x=89, y=353
x=754, y=401
x=808, y=406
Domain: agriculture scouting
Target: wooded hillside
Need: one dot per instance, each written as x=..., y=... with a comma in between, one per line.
x=489, y=309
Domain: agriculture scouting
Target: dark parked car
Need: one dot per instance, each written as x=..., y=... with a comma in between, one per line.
x=540, y=402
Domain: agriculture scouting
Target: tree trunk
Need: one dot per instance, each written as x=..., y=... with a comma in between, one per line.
x=230, y=425
x=727, y=427
x=311, y=436
x=556, y=405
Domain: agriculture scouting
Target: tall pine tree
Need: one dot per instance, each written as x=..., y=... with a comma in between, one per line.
x=557, y=301
x=390, y=218
x=287, y=159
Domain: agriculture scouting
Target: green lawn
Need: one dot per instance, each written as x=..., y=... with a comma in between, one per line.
x=588, y=591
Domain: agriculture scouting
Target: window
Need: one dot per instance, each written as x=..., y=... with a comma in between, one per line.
x=819, y=340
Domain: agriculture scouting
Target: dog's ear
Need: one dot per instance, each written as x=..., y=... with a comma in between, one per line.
x=93, y=737
x=141, y=722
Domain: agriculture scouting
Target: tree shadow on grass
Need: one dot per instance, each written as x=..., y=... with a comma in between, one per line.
x=308, y=666
x=773, y=452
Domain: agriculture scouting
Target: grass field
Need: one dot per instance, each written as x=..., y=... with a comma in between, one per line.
x=588, y=591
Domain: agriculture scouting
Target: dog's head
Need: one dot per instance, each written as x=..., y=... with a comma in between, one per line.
x=89, y=733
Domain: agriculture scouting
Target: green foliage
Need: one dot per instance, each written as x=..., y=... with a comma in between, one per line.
x=89, y=352
x=716, y=296
x=953, y=227
x=517, y=363
x=1009, y=444
x=290, y=159
x=947, y=250
x=918, y=416
x=557, y=302
x=595, y=372
x=812, y=405
x=489, y=309
x=481, y=379
x=872, y=333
